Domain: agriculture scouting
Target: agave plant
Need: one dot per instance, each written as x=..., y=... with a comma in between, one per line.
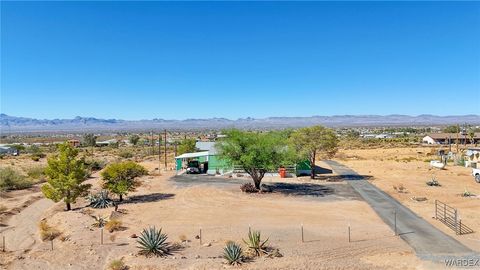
x=153, y=242
x=233, y=253
x=255, y=243
x=100, y=200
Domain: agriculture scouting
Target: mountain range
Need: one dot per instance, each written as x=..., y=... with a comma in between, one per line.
x=13, y=124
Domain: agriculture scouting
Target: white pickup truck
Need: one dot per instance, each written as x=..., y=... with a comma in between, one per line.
x=476, y=174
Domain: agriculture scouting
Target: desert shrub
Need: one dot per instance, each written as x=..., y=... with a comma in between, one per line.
x=113, y=225
x=3, y=208
x=153, y=242
x=125, y=154
x=94, y=165
x=100, y=222
x=36, y=173
x=183, y=238
x=249, y=188
x=117, y=265
x=47, y=232
x=460, y=162
x=11, y=179
x=233, y=253
x=255, y=243
x=100, y=200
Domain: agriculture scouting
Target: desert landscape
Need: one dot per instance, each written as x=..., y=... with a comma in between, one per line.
x=184, y=205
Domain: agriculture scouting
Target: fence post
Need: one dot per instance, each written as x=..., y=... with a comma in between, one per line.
x=460, y=224
x=200, y=236
x=51, y=244
x=349, y=239
x=3, y=246
x=302, y=232
x=444, y=212
x=101, y=236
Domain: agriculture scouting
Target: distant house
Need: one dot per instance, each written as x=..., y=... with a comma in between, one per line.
x=74, y=143
x=472, y=157
x=446, y=138
x=106, y=143
x=8, y=150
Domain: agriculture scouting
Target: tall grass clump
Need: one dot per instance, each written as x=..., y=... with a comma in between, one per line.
x=47, y=232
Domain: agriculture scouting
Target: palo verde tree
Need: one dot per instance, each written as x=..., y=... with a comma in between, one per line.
x=186, y=146
x=66, y=174
x=314, y=142
x=121, y=177
x=257, y=153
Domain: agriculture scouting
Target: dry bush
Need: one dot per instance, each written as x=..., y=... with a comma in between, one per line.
x=3, y=208
x=114, y=225
x=112, y=238
x=117, y=265
x=47, y=232
x=248, y=188
x=183, y=238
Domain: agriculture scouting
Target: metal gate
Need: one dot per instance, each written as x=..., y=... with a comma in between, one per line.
x=449, y=216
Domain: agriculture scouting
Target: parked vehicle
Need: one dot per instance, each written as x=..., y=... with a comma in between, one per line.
x=193, y=167
x=476, y=174
x=437, y=164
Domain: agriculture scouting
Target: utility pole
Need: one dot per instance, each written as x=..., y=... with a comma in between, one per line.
x=159, y=151
x=165, y=150
x=152, y=143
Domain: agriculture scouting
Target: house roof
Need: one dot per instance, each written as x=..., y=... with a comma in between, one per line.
x=451, y=135
x=192, y=155
x=206, y=146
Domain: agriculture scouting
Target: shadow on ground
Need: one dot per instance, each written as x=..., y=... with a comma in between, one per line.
x=301, y=189
x=153, y=197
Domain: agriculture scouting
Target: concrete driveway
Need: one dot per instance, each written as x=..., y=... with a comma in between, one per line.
x=427, y=241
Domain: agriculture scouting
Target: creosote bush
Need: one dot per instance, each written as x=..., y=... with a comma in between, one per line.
x=10, y=179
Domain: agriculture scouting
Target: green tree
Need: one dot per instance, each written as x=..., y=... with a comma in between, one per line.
x=257, y=153
x=121, y=177
x=134, y=139
x=471, y=134
x=315, y=142
x=186, y=146
x=66, y=174
x=89, y=139
x=452, y=129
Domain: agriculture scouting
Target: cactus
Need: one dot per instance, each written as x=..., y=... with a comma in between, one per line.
x=100, y=200
x=153, y=242
x=233, y=253
x=255, y=243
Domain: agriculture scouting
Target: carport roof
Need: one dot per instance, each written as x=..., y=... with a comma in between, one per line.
x=192, y=155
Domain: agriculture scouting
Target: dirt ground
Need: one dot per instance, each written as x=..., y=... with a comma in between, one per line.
x=223, y=213
x=387, y=168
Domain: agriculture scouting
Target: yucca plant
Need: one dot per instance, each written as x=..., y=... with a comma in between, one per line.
x=100, y=200
x=153, y=242
x=233, y=253
x=254, y=243
x=100, y=222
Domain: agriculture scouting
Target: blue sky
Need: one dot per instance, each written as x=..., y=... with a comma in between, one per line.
x=238, y=59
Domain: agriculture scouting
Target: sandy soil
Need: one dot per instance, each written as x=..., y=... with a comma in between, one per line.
x=409, y=167
x=223, y=213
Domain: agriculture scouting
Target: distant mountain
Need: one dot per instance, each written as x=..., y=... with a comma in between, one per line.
x=12, y=124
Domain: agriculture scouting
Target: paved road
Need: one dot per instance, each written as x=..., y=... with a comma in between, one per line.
x=427, y=241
